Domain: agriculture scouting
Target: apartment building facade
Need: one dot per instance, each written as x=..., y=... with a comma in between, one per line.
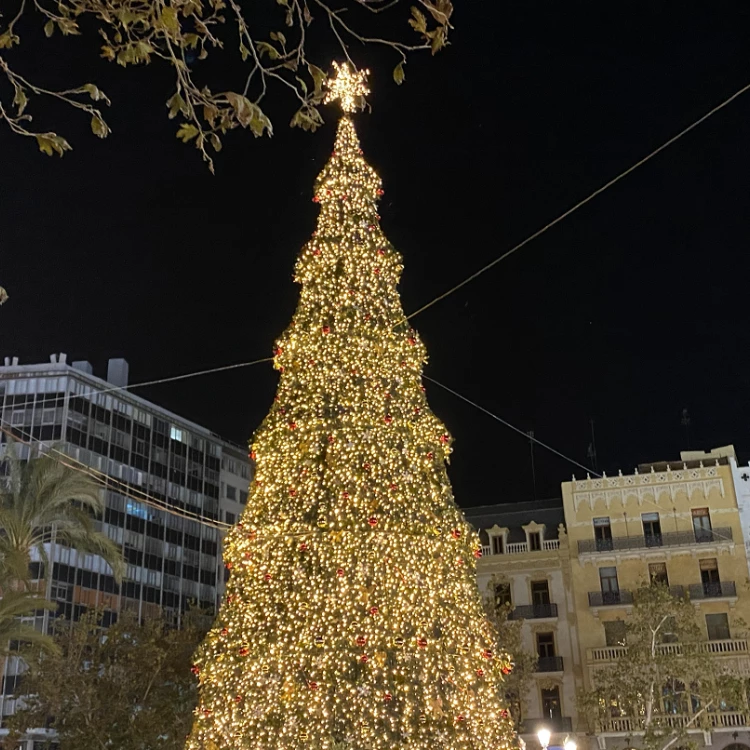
x=525, y=564
x=677, y=523
x=173, y=555
x=684, y=523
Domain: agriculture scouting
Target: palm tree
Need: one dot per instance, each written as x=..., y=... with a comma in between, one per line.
x=44, y=497
x=15, y=604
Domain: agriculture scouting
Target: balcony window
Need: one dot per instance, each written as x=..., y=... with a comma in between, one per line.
x=540, y=592
x=609, y=585
x=657, y=573
x=718, y=627
x=545, y=645
x=710, y=574
x=502, y=595
x=498, y=544
x=551, y=708
x=535, y=541
x=614, y=632
x=702, y=525
x=603, y=534
x=651, y=529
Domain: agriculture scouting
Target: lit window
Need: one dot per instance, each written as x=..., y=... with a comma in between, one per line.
x=177, y=434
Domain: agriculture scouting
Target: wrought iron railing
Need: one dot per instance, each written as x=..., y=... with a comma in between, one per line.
x=668, y=539
x=533, y=611
x=713, y=590
x=609, y=598
x=549, y=664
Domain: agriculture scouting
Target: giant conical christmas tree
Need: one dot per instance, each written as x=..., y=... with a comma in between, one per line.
x=352, y=616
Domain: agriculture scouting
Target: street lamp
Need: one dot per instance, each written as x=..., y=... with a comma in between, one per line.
x=544, y=735
x=570, y=744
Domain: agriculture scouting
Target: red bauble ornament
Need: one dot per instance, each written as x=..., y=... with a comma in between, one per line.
x=380, y=191
x=477, y=553
x=316, y=251
x=326, y=329
x=387, y=697
x=456, y=533
x=412, y=341
x=506, y=670
x=238, y=699
x=371, y=227
x=373, y=521
x=312, y=685
x=278, y=350
x=247, y=555
x=345, y=495
x=267, y=576
x=228, y=565
x=459, y=561
x=504, y=713
x=381, y=251
x=487, y=653
x=363, y=658
x=422, y=642
x=361, y=640
x=292, y=425
x=316, y=199
x=224, y=631
x=292, y=491
x=368, y=318
x=206, y=711
x=331, y=438
x=282, y=410
x=459, y=718
x=195, y=669
x=374, y=610
x=444, y=439
x=480, y=672
x=423, y=389
x=340, y=572
x=430, y=455
x=376, y=271
x=251, y=455
x=388, y=419
x=393, y=487
x=303, y=547
x=244, y=651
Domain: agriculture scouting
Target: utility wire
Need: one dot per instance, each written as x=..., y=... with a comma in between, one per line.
x=578, y=205
x=525, y=434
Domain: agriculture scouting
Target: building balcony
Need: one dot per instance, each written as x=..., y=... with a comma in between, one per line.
x=716, y=590
x=549, y=664
x=520, y=548
x=610, y=598
x=634, y=725
x=726, y=647
x=553, y=723
x=533, y=612
x=668, y=539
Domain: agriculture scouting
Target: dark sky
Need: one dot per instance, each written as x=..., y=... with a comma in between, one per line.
x=626, y=313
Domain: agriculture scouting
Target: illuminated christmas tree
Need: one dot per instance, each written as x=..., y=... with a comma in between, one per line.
x=352, y=616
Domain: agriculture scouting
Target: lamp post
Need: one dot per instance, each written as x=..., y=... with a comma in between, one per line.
x=543, y=736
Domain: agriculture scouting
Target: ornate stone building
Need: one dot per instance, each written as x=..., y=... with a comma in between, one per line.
x=569, y=568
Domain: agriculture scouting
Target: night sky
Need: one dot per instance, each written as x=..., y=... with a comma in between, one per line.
x=626, y=313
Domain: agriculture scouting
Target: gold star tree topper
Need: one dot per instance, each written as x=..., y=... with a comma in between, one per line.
x=349, y=86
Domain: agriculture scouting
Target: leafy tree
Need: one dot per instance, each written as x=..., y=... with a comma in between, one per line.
x=282, y=43
x=127, y=687
x=43, y=497
x=665, y=682
x=510, y=636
